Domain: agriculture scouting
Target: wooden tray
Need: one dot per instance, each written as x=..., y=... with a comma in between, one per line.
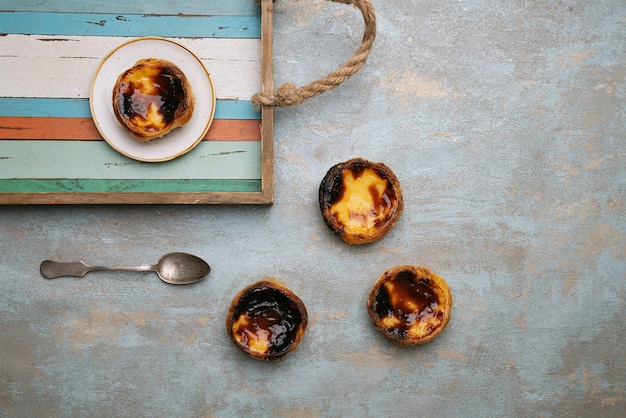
x=50, y=149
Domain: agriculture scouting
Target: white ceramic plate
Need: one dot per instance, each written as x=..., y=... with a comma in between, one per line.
x=175, y=143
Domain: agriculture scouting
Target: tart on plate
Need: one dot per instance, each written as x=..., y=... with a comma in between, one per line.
x=266, y=320
x=360, y=200
x=410, y=305
x=152, y=98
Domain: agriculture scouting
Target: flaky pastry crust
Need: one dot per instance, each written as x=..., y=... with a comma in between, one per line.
x=360, y=200
x=266, y=320
x=152, y=98
x=410, y=305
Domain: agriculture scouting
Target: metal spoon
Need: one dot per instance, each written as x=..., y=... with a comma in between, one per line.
x=174, y=268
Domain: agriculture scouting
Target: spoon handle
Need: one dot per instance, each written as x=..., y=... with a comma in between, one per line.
x=52, y=269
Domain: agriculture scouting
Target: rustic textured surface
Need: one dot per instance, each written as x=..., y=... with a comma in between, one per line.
x=504, y=121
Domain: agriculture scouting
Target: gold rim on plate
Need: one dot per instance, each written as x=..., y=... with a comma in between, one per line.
x=175, y=143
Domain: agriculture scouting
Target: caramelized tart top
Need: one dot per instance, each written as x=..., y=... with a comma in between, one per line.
x=410, y=305
x=360, y=200
x=152, y=98
x=266, y=320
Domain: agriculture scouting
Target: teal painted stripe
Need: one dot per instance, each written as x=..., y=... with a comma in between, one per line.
x=209, y=160
x=172, y=7
x=45, y=107
x=79, y=108
x=236, y=109
x=128, y=186
x=106, y=24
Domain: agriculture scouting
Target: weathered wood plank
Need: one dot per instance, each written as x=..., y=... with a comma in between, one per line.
x=84, y=129
x=267, y=81
x=162, y=7
x=96, y=47
x=79, y=108
x=97, y=160
x=107, y=24
x=64, y=67
x=126, y=186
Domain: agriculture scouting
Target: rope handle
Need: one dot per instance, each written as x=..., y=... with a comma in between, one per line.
x=289, y=95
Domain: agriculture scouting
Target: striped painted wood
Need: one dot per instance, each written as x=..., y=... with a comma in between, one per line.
x=208, y=160
x=26, y=189
x=162, y=7
x=84, y=129
x=50, y=151
x=135, y=25
x=79, y=108
x=64, y=67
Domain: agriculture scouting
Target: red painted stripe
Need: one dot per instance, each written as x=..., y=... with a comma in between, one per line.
x=84, y=129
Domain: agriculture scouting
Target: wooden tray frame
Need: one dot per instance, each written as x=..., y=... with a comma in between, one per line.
x=264, y=197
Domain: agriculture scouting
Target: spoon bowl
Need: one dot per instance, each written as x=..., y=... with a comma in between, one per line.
x=181, y=268
x=173, y=268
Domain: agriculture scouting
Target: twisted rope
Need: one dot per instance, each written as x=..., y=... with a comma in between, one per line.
x=289, y=95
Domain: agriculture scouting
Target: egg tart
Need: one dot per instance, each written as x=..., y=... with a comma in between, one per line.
x=410, y=305
x=266, y=320
x=152, y=98
x=360, y=200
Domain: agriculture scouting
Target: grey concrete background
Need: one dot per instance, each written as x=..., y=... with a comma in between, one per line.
x=504, y=121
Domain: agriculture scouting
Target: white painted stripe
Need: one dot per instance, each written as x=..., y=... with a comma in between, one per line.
x=63, y=67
